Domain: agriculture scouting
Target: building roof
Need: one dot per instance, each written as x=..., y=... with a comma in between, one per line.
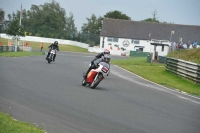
x=141, y=30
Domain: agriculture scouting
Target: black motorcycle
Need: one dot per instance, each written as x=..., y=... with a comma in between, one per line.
x=51, y=55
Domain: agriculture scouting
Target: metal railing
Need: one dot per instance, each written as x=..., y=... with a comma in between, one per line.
x=183, y=68
x=8, y=49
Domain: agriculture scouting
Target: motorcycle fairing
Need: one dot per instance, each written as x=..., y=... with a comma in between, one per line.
x=91, y=75
x=53, y=51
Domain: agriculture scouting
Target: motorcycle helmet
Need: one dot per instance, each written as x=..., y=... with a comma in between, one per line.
x=56, y=43
x=106, y=51
x=106, y=58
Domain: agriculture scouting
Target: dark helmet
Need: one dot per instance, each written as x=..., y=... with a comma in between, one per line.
x=56, y=43
x=106, y=58
x=106, y=51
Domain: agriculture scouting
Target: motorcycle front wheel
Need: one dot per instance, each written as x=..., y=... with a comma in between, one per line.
x=95, y=83
x=84, y=82
x=49, y=60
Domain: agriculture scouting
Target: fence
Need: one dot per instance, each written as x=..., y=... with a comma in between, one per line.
x=48, y=40
x=8, y=48
x=161, y=59
x=185, y=69
x=138, y=54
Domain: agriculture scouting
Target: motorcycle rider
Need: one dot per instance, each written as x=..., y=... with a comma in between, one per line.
x=53, y=46
x=105, y=58
x=106, y=51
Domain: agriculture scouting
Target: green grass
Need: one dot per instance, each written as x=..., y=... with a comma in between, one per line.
x=62, y=47
x=19, y=54
x=157, y=73
x=9, y=125
x=192, y=55
x=36, y=47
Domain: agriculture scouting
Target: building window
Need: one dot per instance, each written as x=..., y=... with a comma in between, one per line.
x=135, y=41
x=112, y=39
x=109, y=39
x=115, y=39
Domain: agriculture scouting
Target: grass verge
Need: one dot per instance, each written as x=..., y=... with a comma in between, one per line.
x=62, y=47
x=10, y=125
x=192, y=55
x=157, y=73
x=19, y=54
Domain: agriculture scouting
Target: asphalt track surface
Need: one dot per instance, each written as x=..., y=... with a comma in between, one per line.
x=51, y=96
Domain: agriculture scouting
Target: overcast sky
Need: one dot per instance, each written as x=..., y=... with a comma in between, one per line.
x=185, y=12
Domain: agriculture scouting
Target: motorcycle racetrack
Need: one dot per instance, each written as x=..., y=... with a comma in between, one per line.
x=51, y=96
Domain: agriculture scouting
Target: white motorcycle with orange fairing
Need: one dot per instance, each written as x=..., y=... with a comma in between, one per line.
x=95, y=76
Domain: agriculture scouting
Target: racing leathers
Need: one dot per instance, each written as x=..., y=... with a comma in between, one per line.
x=94, y=65
x=53, y=46
x=100, y=55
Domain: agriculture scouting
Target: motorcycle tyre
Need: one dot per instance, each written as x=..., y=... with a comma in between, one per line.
x=94, y=84
x=84, y=82
x=49, y=60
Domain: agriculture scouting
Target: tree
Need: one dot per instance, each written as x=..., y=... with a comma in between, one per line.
x=15, y=29
x=70, y=29
x=2, y=13
x=167, y=22
x=91, y=29
x=116, y=15
x=47, y=20
x=9, y=17
x=153, y=19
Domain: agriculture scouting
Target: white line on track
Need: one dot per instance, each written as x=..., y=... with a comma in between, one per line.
x=165, y=89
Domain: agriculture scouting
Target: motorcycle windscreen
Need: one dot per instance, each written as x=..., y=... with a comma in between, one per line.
x=90, y=76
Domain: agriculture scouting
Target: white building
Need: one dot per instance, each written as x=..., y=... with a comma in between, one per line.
x=123, y=46
x=123, y=36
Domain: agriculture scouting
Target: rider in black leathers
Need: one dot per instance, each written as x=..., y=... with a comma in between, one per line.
x=53, y=46
x=100, y=55
x=105, y=58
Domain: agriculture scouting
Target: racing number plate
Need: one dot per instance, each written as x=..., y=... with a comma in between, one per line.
x=105, y=69
x=53, y=51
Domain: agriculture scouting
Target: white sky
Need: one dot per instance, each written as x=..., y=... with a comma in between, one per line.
x=176, y=11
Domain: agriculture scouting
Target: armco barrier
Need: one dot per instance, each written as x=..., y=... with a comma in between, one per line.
x=162, y=59
x=22, y=48
x=183, y=68
x=138, y=54
x=7, y=48
x=149, y=58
